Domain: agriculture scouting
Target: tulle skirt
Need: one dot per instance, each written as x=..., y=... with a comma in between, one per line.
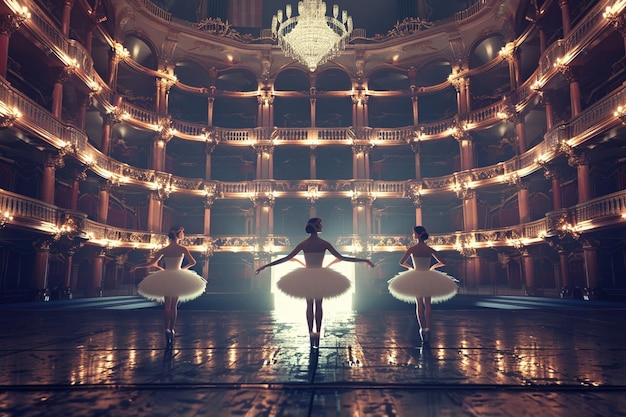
x=314, y=283
x=412, y=283
x=181, y=283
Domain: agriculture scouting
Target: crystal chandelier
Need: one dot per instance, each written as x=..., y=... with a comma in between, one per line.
x=312, y=38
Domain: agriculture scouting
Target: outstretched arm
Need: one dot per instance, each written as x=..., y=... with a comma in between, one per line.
x=340, y=257
x=281, y=260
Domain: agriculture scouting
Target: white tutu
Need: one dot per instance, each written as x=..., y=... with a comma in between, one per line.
x=314, y=283
x=172, y=282
x=412, y=283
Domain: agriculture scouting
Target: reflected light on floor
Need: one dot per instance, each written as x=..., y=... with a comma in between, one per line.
x=291, y=309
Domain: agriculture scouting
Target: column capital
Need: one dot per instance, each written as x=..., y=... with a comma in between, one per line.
x=10, y=22
x=364, y=149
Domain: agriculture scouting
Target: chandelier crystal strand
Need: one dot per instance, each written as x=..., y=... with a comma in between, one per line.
x=312, y=38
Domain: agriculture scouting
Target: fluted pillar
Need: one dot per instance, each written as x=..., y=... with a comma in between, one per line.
x=264, y=162
x=360, y=161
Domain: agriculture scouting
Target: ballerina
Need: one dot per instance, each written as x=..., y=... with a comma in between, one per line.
x=314, y=282
x=173, y=284
x=421, y=283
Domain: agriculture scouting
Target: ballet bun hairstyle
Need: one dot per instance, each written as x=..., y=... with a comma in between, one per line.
x=175, y=232
x=420, y=231
x=311, y=225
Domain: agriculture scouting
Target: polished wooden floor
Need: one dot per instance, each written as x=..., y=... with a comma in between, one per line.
x=488, y=357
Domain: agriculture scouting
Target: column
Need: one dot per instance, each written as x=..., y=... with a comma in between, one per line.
x=67, y=281
x=163, y=86
x=466, y=147
x=590, y=252
x=48, y=179
x=412, y=74
x=312, y=163
x=40, y=269
x=159, y=144
x=529, y=272
x=75, y=192
x=103, y=202
x=209, y=148
x=552, y=173
x=9, y=24
x=155, y=211
x=415, y=147
x=565, y=17
x=65, y=16
x=209, y=199
x=360, y=161
x=312, y=102
x=62, y=75
x=264, y=162
x=579, y=160
x=522, y=202
x=359, y=107
x=118, y=54
x=362, y=215
x=547, y=103
x=470, y=210
x=569, y=72
x=97, y=269
x=264, y=211
x=416, y=198
x=109, y=120
x=566, y=284
x=84, y=100
x=511, y=54
x=265, y=115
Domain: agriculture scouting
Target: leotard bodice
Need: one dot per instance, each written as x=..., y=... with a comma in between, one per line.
x=314, y=259
x=173, y=262
x=421, y=263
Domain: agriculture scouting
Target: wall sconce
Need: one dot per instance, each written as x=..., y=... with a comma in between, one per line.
x=5, y=218
x=8, y=115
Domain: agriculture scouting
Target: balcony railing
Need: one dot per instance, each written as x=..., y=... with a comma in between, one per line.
x=48, y=219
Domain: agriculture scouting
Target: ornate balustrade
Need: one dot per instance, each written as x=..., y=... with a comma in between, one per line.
x=54, y=221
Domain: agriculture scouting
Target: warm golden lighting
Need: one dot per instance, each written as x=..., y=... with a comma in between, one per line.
x=312, y=38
